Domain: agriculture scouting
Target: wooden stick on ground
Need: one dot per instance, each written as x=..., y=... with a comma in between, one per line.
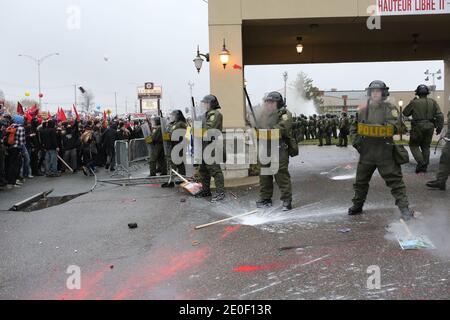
x=227, y=219
x=68, y=167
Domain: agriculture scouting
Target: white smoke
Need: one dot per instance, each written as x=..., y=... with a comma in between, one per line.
x=299, y=105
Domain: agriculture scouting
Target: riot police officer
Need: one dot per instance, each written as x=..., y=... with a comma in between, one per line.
x=444, y=164
x=275, y=104
x=373, y=132
x=155, y=140
x=212, y=119
x=344, y=130
x=177, y=122
x=426, y=116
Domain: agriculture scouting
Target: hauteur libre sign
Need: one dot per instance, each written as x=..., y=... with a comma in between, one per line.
x=412, y=7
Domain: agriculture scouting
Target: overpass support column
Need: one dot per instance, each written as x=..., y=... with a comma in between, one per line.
x=446, y=106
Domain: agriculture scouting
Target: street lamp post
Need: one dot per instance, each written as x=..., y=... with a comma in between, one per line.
x=39, y=61
x=434, y=75
x=285, y=78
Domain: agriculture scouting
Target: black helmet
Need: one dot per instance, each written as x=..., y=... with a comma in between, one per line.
x=277, y=97
x=422, y=90
x=157, y=120
x=344, y=114
x=212, y=100
x=178, y=114
x=377, y=84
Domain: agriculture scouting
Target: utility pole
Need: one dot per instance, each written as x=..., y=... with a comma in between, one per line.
x=115, y=102
x=75, y=94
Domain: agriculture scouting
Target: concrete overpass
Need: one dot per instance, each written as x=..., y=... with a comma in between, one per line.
x=333, y=31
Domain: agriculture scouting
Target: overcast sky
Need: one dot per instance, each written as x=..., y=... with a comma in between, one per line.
x=144, y=40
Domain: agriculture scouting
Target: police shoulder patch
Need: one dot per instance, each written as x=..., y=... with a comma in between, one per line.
x=284, y=117
x=212, y=117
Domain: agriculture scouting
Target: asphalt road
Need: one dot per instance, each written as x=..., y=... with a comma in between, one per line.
x=271, y=255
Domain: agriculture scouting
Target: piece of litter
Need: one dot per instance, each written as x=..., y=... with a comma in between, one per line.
x=57, y=247
x=195, y=243
x=344, y=230
x=182, y=200
x=75, y=251
x=132, y=225
x=111, y=267
x=421, y=242
x=40, y=242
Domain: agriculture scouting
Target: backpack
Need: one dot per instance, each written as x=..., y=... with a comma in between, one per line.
x=10, y=134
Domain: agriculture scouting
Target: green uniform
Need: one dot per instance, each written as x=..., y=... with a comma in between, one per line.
x=313, y=128
x=181, y=169
x=157, y=158
x=444, y=163
x=213, y=119
x=282, y=177
x=426, y=116
x=344, y=130
x=324, y=131
x=377, y=152
x=321, y=129
x=334, y=126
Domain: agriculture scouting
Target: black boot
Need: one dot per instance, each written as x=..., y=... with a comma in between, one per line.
x=168, y=185
x=407, y=213
x=264, y=203
x=203, y=194
x=436, y=185
x=218, y=197
x=355, y=210
x=287, y=205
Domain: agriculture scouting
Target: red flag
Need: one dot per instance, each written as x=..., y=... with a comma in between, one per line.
x=29, y=116
x=76, y=113
x=49, y=115
x=62, y=115
x=34, y=110
x=20, y=109
x=104, y=119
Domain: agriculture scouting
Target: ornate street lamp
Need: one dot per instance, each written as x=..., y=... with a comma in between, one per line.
x=224, y=55
x=198, y=61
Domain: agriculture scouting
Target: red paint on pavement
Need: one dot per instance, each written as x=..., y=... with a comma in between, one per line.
x=148, y=276
x=270, y=266
x=89, y=289
x=229, y=230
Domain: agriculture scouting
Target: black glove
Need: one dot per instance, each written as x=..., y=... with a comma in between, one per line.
x=438, y=131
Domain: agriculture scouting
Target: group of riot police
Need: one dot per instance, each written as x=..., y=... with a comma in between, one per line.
x=372, y=132
x=323, y=128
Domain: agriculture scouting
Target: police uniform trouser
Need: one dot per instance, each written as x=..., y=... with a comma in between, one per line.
x=343, y=138
x=282, y=178
x=157, y=160
x=321, y=136
x=180, y=168
x=444, y=164
x=328, y=138
x=392, y=176
x=212, y=170
x=420, y=147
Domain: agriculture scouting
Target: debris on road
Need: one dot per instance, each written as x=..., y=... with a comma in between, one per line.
x=224, y=220
x=195, y=243
x=132, y=225
x=190, y=187
x=183, y=200
x=344, y=230
x=411, y=242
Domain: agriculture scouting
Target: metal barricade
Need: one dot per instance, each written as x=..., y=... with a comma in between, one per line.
x=122, y=158
x=138, y=150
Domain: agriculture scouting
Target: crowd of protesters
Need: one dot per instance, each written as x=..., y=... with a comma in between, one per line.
x=31, y=146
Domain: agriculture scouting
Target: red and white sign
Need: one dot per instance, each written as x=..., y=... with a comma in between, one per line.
x=412, y=7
